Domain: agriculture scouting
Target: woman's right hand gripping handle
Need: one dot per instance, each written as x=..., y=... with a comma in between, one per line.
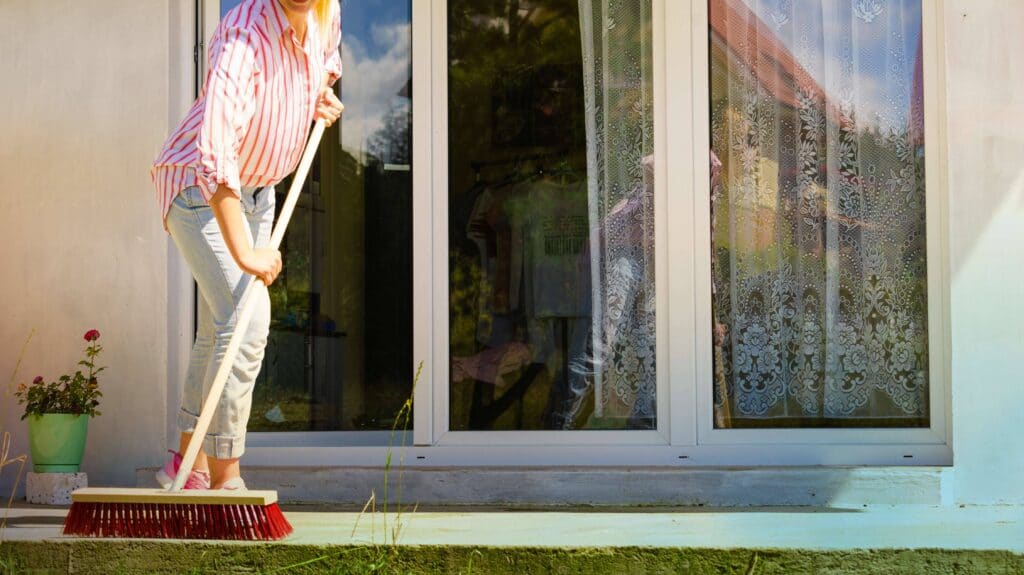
x=263, y=263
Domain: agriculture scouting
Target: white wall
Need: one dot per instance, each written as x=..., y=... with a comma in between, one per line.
x=88, y=96
x=84, y=108
x=985, y=77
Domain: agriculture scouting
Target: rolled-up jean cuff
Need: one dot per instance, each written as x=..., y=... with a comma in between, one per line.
x=216, y=446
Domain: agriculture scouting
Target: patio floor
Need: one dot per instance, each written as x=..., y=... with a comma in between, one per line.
x=890, y=539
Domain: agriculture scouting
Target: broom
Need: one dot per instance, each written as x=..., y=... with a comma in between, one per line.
x=178, y=514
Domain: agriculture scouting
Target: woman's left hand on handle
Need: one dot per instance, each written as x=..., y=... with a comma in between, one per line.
x=328, y=106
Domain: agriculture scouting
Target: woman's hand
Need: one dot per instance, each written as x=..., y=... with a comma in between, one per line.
x=328, y=106
x=263, y=263
x=260, y=262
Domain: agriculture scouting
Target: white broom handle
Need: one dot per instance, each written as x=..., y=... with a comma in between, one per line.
x=245, y=315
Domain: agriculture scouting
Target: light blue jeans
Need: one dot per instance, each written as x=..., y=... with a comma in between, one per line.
x=221, y=282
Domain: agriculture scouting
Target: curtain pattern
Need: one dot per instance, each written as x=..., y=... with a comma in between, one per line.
x=819, y=263
x=617, y=76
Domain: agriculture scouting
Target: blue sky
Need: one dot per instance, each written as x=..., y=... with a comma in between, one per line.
x=376, y=52
x=377, y=57
x=359, y=17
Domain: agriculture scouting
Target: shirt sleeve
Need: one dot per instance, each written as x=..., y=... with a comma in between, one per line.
x=230, y=105
x=332, y=57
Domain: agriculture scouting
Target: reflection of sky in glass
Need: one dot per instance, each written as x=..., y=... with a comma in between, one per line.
x=226, y=5
x=377, y=56
x=864, y=48
x=376, y=53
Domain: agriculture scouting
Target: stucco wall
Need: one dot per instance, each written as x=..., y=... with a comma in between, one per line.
x=985, y=77
x=84, y=110
x=87, y=100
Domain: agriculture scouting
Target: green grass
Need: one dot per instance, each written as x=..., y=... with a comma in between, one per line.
x=111, y=557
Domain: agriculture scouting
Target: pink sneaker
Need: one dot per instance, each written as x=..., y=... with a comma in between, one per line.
x=196, y=479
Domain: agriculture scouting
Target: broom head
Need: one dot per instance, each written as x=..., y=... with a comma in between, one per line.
x=159, y=514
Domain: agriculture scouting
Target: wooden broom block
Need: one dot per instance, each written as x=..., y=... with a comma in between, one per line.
x=185, y=497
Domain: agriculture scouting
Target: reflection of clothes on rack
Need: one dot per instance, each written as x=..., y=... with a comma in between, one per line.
x=534, y=285
x=556, y=280
x=549, y=228
x=613, y=360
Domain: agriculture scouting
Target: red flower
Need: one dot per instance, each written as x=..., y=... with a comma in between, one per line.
x=38, y=380
x=92, y=335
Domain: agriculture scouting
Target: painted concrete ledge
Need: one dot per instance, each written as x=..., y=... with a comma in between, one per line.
x=601, y=486
x=890, y=539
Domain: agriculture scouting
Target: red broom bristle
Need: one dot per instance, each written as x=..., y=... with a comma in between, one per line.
x=177, y=521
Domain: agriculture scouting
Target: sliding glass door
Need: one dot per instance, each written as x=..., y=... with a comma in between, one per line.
x=636, y=231
x=340, y=351
x=551, y=219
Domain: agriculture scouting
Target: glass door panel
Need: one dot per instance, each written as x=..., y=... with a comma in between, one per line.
x=340, y=351
x=551, y=215
x=818, y=214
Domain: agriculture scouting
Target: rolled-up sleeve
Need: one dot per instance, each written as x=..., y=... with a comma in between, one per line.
x=230, y=105
x=332, y=57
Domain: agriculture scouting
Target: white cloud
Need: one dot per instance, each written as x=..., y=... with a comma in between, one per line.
x=872, y=62
x=373, y=78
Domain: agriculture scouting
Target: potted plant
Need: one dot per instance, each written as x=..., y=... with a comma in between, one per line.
x=58, y=413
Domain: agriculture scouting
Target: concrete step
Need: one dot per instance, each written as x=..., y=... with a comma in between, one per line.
x=597, y=486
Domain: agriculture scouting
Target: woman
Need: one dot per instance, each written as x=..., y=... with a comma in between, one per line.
x=271, y=67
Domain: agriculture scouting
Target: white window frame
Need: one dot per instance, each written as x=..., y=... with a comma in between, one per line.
x=658, y=439
x=683, y=288
x=929, y=446
x=685, y=435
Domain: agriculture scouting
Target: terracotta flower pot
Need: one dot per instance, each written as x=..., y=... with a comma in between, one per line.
x=57, y=441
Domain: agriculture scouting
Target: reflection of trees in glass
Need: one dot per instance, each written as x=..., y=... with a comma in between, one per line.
x=466, y=284
x=498, y=51
x=289, y=294
x=391, y=142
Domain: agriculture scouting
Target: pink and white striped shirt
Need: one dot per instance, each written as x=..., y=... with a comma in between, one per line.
x=251, y=120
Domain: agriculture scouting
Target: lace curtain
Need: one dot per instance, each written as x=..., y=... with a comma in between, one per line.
x=819, y=264
x=619, y=362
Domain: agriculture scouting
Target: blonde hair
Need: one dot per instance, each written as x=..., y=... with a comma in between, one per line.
x=322, y=13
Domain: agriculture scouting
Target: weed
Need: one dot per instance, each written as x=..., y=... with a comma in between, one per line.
x=403, y=417
x=8, y=564
x=469, y=568
x=382, y=553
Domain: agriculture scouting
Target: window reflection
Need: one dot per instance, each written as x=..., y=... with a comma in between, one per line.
x=551, y=215
x=818, y=214
x=339, y=356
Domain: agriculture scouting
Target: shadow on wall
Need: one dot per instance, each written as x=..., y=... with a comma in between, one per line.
x=984, y=132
